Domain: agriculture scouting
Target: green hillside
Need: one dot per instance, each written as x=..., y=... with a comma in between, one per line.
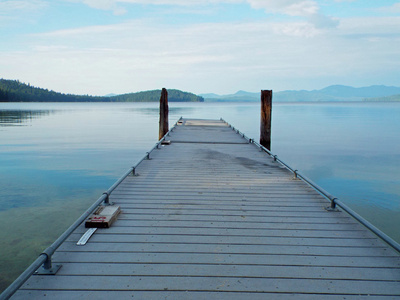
x=154, y=96
x=16, y=91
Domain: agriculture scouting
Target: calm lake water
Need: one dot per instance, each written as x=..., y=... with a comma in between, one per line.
x=56, y=159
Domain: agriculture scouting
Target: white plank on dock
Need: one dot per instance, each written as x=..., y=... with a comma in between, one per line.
x=211, y=217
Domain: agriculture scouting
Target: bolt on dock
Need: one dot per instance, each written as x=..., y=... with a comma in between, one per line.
x=208, y=215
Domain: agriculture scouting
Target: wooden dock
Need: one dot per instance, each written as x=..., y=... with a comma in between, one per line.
x=210, y=216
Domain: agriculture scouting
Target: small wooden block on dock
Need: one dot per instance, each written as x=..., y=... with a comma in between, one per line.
x=103, y=217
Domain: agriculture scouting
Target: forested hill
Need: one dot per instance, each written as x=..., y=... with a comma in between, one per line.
x=153, y=96
x=16, y=91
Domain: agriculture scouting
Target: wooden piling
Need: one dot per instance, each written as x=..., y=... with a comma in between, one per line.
x=163, y=129
x=265, y=128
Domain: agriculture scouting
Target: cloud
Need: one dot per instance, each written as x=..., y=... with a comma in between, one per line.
x=307, y=9
x=321, y=21
x=298, y=52
x=8, y=6
x=288, y=7
x=145, y=55
x=111, y=5
x=296, y=8
x=117, y=5
x=393, y=9
x=19, y=11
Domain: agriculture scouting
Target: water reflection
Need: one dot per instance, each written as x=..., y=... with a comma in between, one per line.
x=152, y=111
x=21, y=117
x=71, y=153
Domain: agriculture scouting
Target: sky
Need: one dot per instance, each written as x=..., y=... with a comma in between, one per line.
x=98, y=47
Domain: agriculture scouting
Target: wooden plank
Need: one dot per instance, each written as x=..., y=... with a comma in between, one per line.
x=233, y=240
x=240, y=284
x=235, y=214
x=224, y=249
x=265, y=233
x=230, y=259
x=198, y=295
x=225, y=211
x=234, y=219
x=249, y=271
x=241, y=224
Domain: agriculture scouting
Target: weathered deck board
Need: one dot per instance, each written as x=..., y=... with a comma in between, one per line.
x=212, y=217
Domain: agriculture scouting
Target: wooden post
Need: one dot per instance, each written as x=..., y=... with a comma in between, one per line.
x=265, y=128
x=163, y=129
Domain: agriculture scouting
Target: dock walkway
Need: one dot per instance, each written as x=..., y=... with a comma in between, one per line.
x=210, y=216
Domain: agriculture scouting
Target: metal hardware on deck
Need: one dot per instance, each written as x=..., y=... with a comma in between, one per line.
x=148, y=155
x=107, y=199
x=86, y=236
x=275, y=157
x=48, y=271
x=333, y=203
x=332, y=207
x=48, y=268
x=295, y=174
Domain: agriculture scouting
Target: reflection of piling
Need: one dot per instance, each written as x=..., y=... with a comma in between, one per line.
x=163, y=129
x=265, y=128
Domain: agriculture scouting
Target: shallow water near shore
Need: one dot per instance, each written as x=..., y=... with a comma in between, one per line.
x=56, y=159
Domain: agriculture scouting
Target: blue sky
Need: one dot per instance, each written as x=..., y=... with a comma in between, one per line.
x=203, y=46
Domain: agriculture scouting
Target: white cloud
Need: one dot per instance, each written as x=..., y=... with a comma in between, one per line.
x=18, y=11
x=395, y=8
x=111, y=5
x=19, y=5
x=296, y=8
x=288, y=7
x=117, y=5
x=322, y=21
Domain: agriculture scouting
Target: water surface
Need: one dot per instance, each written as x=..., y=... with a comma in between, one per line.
x=56, y=159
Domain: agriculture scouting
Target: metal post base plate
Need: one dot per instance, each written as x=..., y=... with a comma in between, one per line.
x=331, y=209
x=52, y=271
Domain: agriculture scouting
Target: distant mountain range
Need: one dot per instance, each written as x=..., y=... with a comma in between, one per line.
x=16, y=91
x=330, y=93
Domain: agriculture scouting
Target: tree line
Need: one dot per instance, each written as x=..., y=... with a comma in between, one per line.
x=16, y=91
